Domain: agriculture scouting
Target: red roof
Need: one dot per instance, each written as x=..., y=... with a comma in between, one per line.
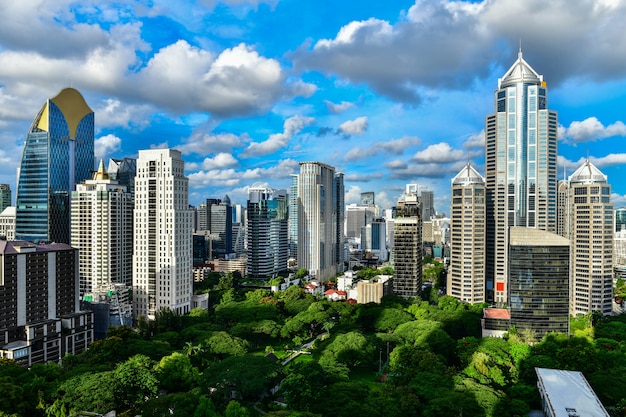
x=497, y=313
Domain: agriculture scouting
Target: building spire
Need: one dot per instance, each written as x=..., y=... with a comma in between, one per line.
x=102, y=173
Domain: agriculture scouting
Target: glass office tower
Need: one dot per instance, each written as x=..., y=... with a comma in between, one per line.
x=58, y=153
x=520, y=168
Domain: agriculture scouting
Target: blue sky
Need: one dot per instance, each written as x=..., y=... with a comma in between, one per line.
x=389, y=93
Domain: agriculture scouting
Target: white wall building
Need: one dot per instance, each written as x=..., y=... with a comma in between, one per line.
x=163, y=253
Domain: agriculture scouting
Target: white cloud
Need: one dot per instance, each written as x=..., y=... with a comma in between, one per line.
x=354, y=127
x=114, y=112
x=589, y=130
x=219, y=161
x=413, y=57
x=276, y=141
x=440, y=153
x=476, y=140
x=214, y=178
x=106, y=145
x=338, y=108
x=353, y=195
x=205, y=143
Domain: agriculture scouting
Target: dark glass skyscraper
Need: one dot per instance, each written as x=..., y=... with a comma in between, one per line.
x=58, y=153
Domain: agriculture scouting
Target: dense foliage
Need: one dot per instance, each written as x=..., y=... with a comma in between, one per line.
x=254, y=352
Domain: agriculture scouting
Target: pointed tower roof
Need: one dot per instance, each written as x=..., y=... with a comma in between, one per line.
x=468, y=175
x=102, y=173
x=587, y=173
x=520, y=71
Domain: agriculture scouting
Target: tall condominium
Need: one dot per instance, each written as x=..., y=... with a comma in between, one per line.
x=520, y=167
x=162, y=263
x=293, y=218
x=319, y=211
x=268, y=234
x=40, y=317
x=102, y=230
x=58, y=153
x=5, y=196
x=539, y=286
x=407, y=248
x=591, y=234
x=466, y=276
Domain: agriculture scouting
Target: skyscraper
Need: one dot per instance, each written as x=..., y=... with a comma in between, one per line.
x=427, y=199
x=102, y=230
x=58, y=153
x=219, y=220
x=466, y=276
x=5, y=196
x=267, y=232
x=591, y=234
x=318, y=203
x=520, y=167
x=162, y=263
x=407, y=247
x=620, y=219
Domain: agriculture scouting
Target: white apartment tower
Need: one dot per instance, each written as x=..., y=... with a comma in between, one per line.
x=466, y=276
x=319, y=211
x=102, y=231
x=163, y=253
x=591, y=235
x=520, y=167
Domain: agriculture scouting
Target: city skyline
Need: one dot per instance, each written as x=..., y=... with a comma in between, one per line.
x=248, y=89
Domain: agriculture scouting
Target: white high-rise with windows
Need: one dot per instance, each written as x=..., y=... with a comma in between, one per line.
x=163, y=252
x=520, y=168
x=591, y=235
x=466, y=275
x=102, y=231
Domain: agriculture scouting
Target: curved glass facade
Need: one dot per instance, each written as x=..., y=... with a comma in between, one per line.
x=58, y=153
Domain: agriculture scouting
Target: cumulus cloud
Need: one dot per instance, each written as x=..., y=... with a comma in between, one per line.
x=363, y=177
x=394, y=146
x=205, y=143
x=440, y=152
x=396, y=164
x=374, y=51
x=276, y=141
x=357, y=126
x=476, y=140
x=113, y=112
x=338, y=108
x=427, y=170
x=589, y=130
x=106, y=145
x=231, y=177
x=353, y=195
x=219, y=161
x=611, y=159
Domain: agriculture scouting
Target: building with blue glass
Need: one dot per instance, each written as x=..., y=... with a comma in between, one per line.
x=520, y=168
x=58, y=153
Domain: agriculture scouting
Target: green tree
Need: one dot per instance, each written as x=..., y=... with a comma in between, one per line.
x=249, y=375
x=89, y=392
x=135, y=381
x=176, y=374
x=234, y=409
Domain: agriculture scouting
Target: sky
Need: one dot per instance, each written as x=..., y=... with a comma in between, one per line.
x=389, y=93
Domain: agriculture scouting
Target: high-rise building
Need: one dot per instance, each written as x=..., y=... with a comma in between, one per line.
x=102, y=230
x=318, y=217
x=5, y=196
x=466, y=275
x=539, y=286
x=407, y=248
x=40, y=317
x=427, y=198
x=374, y=239
x=293, y=219
x=591, y=234
x=58, y=154
x=268, y=234
x=367, y=198
x=219, y=220
x=520, y=167
x=358, y=216
x=162, y=262
x=563, y=209
x=340, y=212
